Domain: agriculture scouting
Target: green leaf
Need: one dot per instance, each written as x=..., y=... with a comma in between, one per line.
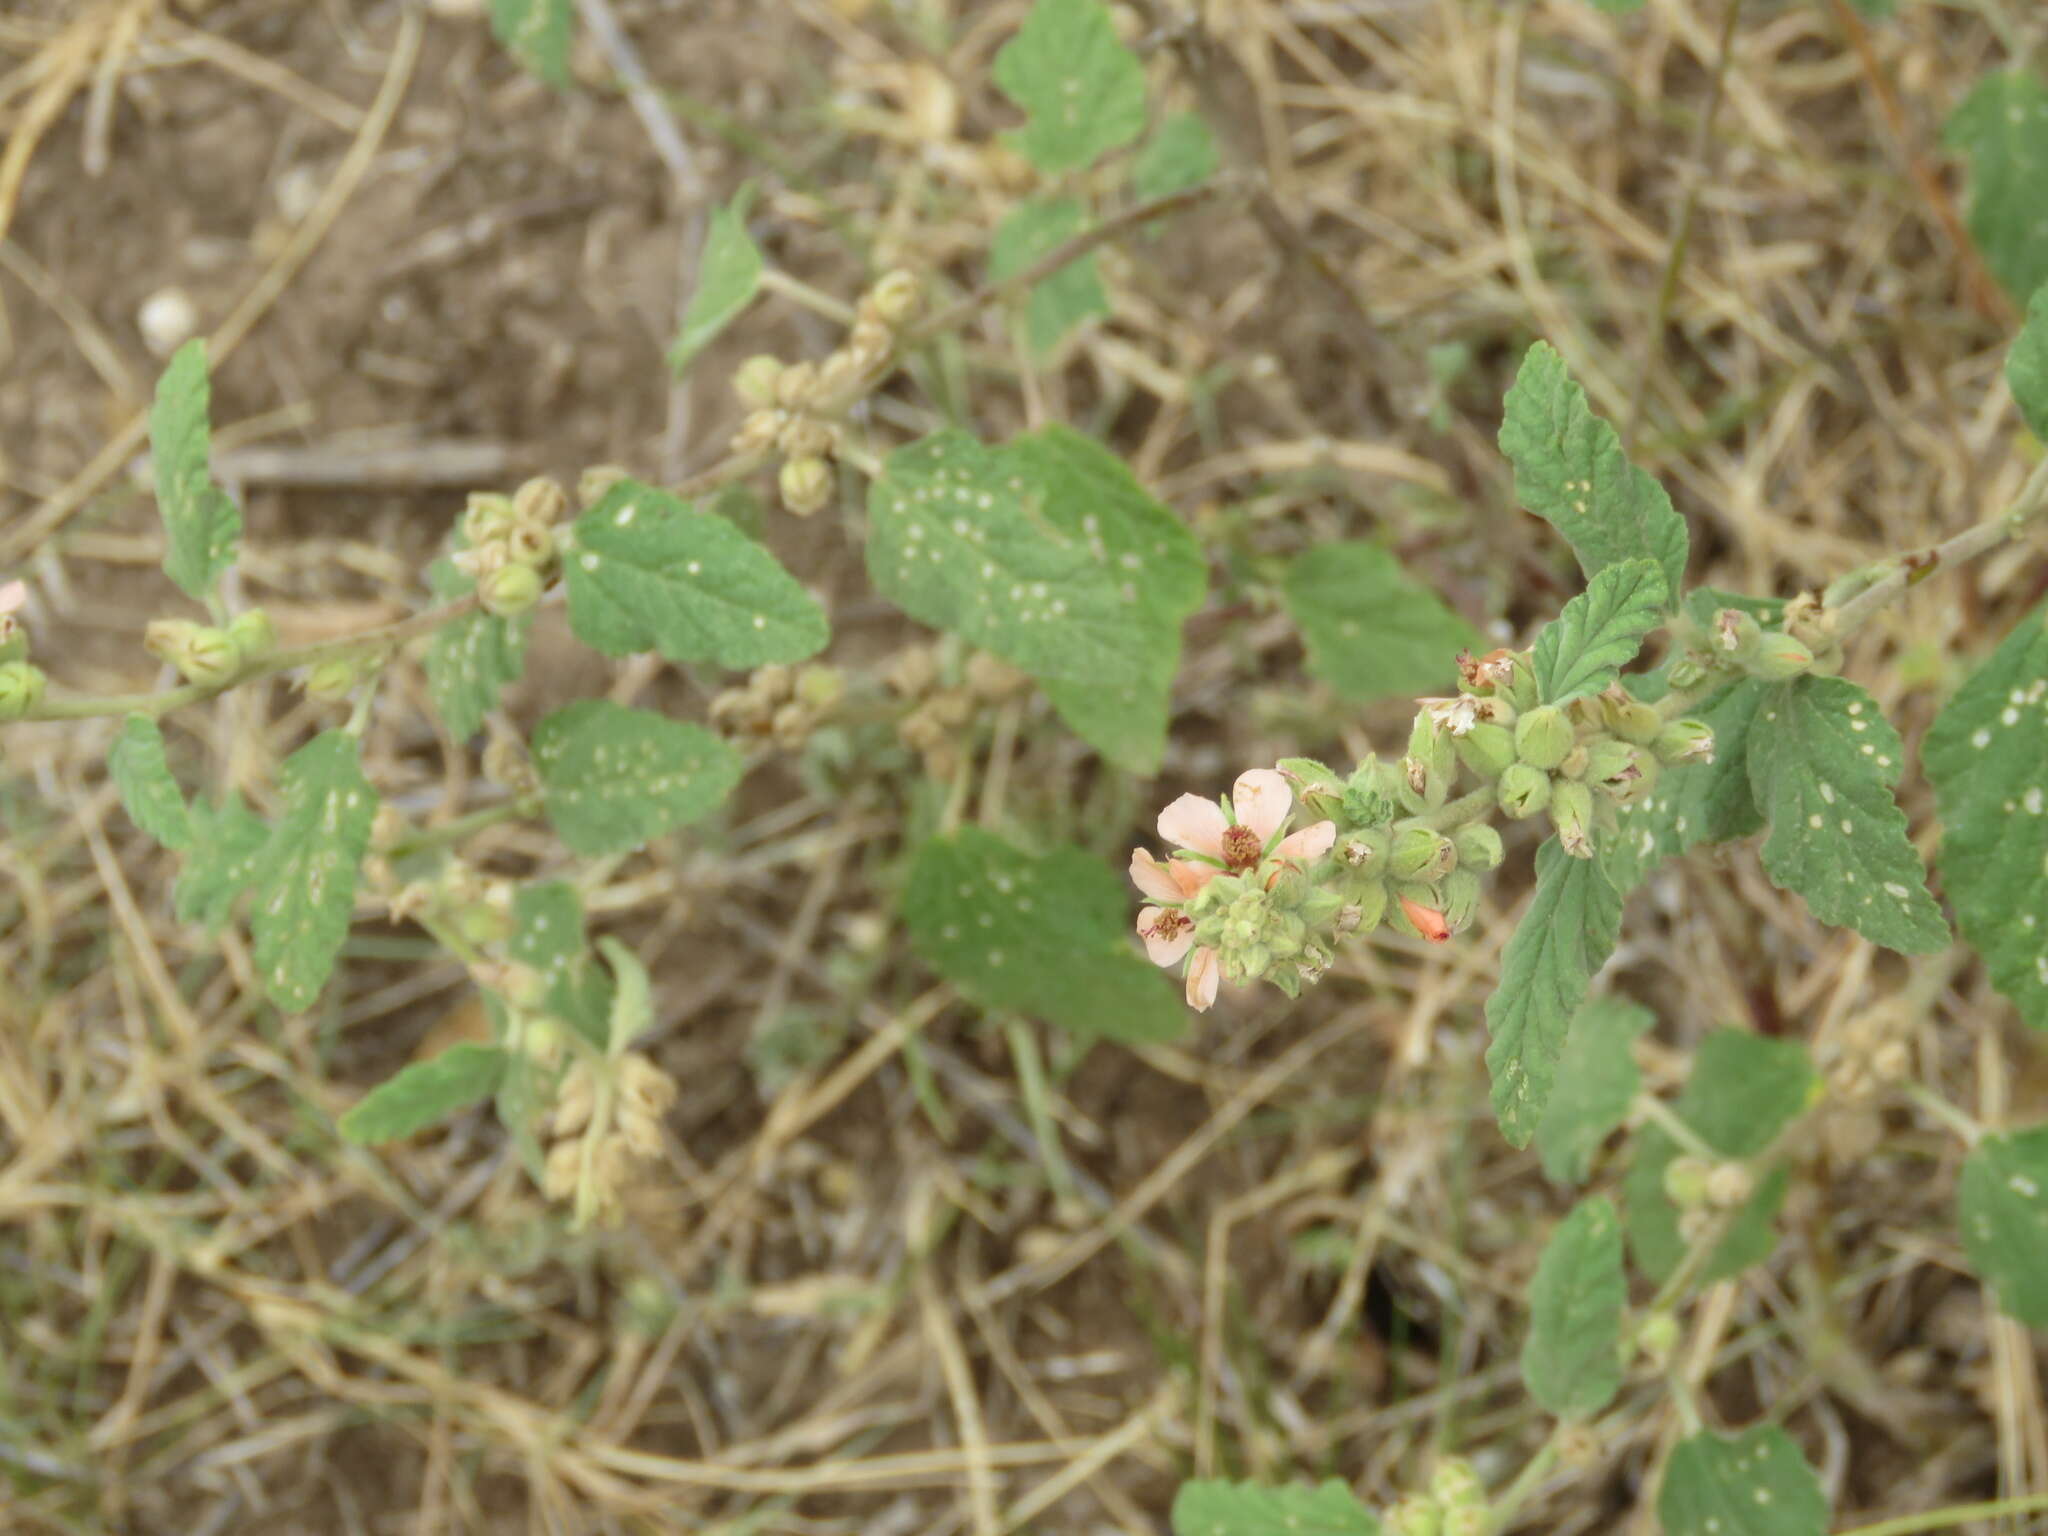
x=1618, y=7
x=1752, y=1484
x=227, y=851
x=1180, y=154
x=1047, y=936
x=612, y=778
x=1069, y=296
x=2026, y=366
x=536, y=33
x=151, y=796
x=1565, y=936
x=1696, y=802
x=473, y=659
x=1877, y=10
x=2003, y=1207
x=1246, y=1509
x=1372, y=630
x=1822, y=761
x=1987, y=757
x=306, y=875
x=728, y=277
x=547, y=934
x=202, y=526
x=1585, y=647
x=1596, y=1083
x=1571, y=1359
x=1082, y=89
x=425, y=1093
x=2001, y=127
x=1570, y=471
x=632, y=1011
x=650, y=572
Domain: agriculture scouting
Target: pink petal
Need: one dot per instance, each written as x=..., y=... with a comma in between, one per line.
x=12, y=596
x=1427, y=920
x=1309, y=843
x=1204, y=975
x=1261, y=798
x=1194, y=823
x=1154, y=878
x=1163, y=948
x=1191, y=876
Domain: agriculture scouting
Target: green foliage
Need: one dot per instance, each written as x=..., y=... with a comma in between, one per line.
x=547, y=934
x=1180, y=154
x=2026, y=365
x=305, y=878
x=1049, y=553
x=202, y=526
x=425, y=1093
x=1068, y=297
x=728, y=277
x=1372, y=630
x=228, y=843
x=1696, y=802
x=2003, y=1206
x=1082, y=90
x=1246, y=1509
x=650, y=572
x=537, y=34
x=2001, y=127
x=1585, y=647
x=613, y=778
x=632, y=1007
x=1618, y=7
x=1987, y=757
x=1752, y=1484
x=1596, y=1082
x=1563, y=938
x=1048, y=936
x=471, y=660
x=1822, y=761
x=1570, y=471
x=1571, y=1360
x=137, y=765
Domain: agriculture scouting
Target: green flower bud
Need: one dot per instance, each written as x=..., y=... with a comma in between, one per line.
x=754, y=380
x=1630, y=718
x=896, y=298
x=201, y=653
x=1630, y=781
x=1685, y=1182
x=1486, y=749
x=1285, y=936
x=1363, y=912
x=1574, y=764
x=1478, y=845
x=1370, y=795
x=1736, y=634
x=1523, y=791
x=1778, y=657
x=1246, y=962
x=1420, y=853
x=1366, y=850
x=806, y=485
x=488, y=518
x=1543, y=736
x=1317, y=788
x=1608, y=758
x=1730, y=1184
x=1415, y=1515
x=1657, y=1337
x=1686, y=672
x=1461, y=899
x=1321, y=906
x=530, y=544
x=1421, y=788
x=510, y=590
x=1571, y=812
x=1827, y=662
x=1423, y=896
x=1454, y=1484
x=21, y=688
x=1431, y=745
x=1685, y=741
x=1466, y=1520
x=540, y=502
x=254, y=635
x=334, y=678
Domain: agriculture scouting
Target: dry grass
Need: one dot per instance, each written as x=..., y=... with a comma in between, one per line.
x=931, y=1276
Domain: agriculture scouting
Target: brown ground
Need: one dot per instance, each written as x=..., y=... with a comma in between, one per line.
x=870, y=1294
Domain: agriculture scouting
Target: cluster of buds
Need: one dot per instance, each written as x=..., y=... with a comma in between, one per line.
x=941, y=707
x=1455, y=1504
x=1865, y=1056
x=1799, y=645
x=510, y=544
x=783, y=704
x=21, y=682
x=211, y=654
x=1700, y=1189
x=799, y=409
x=475, y=907
x=607, y=1115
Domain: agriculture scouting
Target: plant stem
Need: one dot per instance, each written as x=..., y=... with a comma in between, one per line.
x=1969, y=1130
x=448, y=832
x=1955, y=1514
x=1468, y=807
x=1501, y=1509
x=1666, y=1118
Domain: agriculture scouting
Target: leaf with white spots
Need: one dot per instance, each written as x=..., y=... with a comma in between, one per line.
x=1372, y=630
x=547, y=934
x=228, y=843
x=2001, y=127
x=1694, y=802
x=728, y=276
x=1987, y=757
x=1822, y=761
x=1061, y=300
x=202, y=525
x=1752, y=1484
x=646, y=571
x=2026, y=365
x=2003, y=1207
x=1083, y=90
x=1597, y=1080
x=1585, y=647
x=424, y=1093
x=306, y=876
x=471, y=660
x=139, y=769
x=1570, y=471
x=1048, y=936
x=1180, y=153
x=1565, y=935
x=612, y=778
x=1290, y=1509
x=1570, y=1361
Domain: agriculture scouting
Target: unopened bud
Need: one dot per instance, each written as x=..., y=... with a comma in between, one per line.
x=1478, y=845
x=21, y=688
x=806, y=486
x=1614, y=764
x=1891, y=1061
x=1367, y=908
x=530, y=544
x=1729, y=1184
x=1317, y=789
x=541, y=501
x=1685, y=1182
x=254, y=635
x=1420, y=788
x=1366, y=849
x=596, y=482
x=387, y=826
x=1487, y=749
x=201, y=653
x=1523, y=791
x=1461, y=899
x=1685, y=741
x=757, y=434
x=818, y=687
x=806, y=437
x=869, y=342
x=1571, y=813
x=487, y=518
x=1778, y=657
x=1543, y=736
x=754, y=380
x=510, y=590
x=1686, y=672
x=1415, y=1515
x=1455, y=1485
x=1657, y=1337
x=334, y=678
x=1736, y=634
x=1432, y=746
x=1421, y=854
x=1417, y=913
x=796, y=386
x=896, y=299
x=1630, y=718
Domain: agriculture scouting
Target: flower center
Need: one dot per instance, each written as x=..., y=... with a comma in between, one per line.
x=1241, y=847
x=1167, y=925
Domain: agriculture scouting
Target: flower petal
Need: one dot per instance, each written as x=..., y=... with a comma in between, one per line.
x=1427, y=920
x=1191, y=875
x=1194, y=823
x=1154, y=878
x=1307, y=844
x=1261, y=798
x=1164, y=945
x=12, y=596
x=1204, y=975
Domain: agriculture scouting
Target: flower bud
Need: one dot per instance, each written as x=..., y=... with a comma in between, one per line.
x=1612, y=764
x=796, y=386
x=1455, y=1485
x=1522, y=791
x=1685, y=741
x=21, y=688
x=1487, y=749
x=1430, y=744
x=754, y=380
x=1364, y=850
x=1543, y=736
x=1574, y=764
x=254, y=635
x=896, y=298
x=1729, y=1184
x=1365, y=910
x=1657, y=1337
x=758, y=432
x=1415, y=1515
x=1418, y=789
x=869, y=342
x=510, y=590
x=596, y=482
x=530, y=544
x=1416, y=913
x=201, y=653
x=1571, y=812
x=334, y=678
x=1461, y=899
x=1736, y=634
x=806, y=437
x=1466, y=1520
x=540, y=501
x=1478, y=845
x=1419, y=853
x=1685, y=1182
x=1317, y=789
x=818, y=687
x=1629, y=717
x=487, y=517
x=1686, y=672
x=1778, y=657
x=806, y=486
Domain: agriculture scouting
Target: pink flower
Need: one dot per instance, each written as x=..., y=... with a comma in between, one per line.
x=1204, y=972
x=12, y=596
x=1428, y=921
